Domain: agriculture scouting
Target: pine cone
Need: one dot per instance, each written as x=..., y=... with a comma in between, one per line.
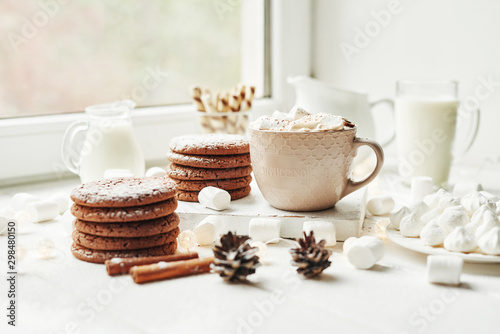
x=235, y=259
x=311, y=258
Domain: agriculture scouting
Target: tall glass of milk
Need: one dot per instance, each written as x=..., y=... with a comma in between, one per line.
x=426, y=121
x=104, y=141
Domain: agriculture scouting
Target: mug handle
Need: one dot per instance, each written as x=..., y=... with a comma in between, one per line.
x=473, y=130
x=70, y=156
x=379, y=152
x=391, y=103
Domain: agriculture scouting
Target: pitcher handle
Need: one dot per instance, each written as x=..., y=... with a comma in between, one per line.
x=70, y=157
x=379, y=152
x=391, y=103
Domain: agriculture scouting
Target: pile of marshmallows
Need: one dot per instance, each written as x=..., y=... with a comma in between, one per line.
x=298, y=119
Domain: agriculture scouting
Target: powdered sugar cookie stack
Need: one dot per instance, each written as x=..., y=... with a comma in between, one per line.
x=459, y=224
x=212, y=160
x=124, y=217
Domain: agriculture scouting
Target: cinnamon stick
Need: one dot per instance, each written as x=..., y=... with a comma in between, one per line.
x=163, y=270
x=118, y=266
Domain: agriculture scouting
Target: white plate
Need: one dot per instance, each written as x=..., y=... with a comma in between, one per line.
x=415, y=244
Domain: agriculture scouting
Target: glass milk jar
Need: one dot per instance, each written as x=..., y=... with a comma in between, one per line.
x=104, y=141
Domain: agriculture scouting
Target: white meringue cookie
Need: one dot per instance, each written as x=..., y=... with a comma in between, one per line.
x=297, y=112
x=460, y=241
x=396, y=217
x=477, y=218
x=448, y=201
x=489, y=243
x=463, y=188
x=489, y=196
x=490, y=220
x=419, y=208
x=411, y=225
x=452, y=218
x=498, y=207
x=432, y=200
x=432, y=234
x=473, y=202
x=430, y=215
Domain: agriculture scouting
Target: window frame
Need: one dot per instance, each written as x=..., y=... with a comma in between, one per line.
x=30, y=146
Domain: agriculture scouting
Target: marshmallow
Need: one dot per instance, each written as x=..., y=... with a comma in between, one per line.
x=206, y=230
x=444, y=269
x=156, y=171
x=364, y=252
x=453, y=217
x=380, y=205
x=322, y=230
x=43, y=211
x=348, y=243
x=489, y=242
x=21, y=200
x=68, y=222
x=298, y=112
x=432, y=234
x=421, y=186
x=463, y=188
x=411, y=225
x=473, y=202
x=331, y=122
x=112, y=173
x=4, y=222
x=7, y=213
x=432, y=200
x=490, y=220
x=264, y=229
x=460, y=241
x=396, y=217
x=262, y=123
x=214, y=198
x=62, y=201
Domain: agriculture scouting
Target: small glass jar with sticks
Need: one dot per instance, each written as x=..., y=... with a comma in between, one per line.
x=225, y=111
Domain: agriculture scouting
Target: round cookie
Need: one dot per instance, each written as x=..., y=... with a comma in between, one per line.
x=132, y=229
x=210, y=144
x=123, y=192
x=100, y=256
x=192, y=173
x=192, y=196
x=210, y=161
x=125, y=214
x=111, y=243
x=226, y=184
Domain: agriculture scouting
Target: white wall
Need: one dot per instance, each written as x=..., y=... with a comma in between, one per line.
x=445, y=39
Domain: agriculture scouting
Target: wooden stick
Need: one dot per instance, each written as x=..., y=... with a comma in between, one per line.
x=118, y=266
x=163, y=270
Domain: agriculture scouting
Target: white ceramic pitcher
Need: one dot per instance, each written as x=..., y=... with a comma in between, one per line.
x=105, y=140
x=317, y=96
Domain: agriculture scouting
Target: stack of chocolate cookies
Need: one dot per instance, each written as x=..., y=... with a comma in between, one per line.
x=124, y=217
x=216, y=160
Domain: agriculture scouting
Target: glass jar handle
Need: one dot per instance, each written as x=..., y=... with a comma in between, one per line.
x=70, y=156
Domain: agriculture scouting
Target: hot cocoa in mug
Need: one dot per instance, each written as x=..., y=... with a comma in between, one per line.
x=303, y=162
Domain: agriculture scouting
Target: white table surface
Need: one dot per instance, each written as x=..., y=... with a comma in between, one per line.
x=65, y=295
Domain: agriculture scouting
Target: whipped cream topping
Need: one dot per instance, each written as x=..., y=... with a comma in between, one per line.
x=300, y=120
x=433, y=234
x=411, y=225
x=489, y=242
x=460, y=241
